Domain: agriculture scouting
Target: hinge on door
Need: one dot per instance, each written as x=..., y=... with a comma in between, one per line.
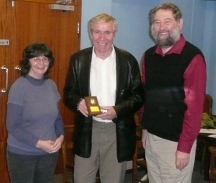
x=78, y=28
x=12, y=3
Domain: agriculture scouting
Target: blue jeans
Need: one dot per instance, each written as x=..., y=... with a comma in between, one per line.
x=31, y=169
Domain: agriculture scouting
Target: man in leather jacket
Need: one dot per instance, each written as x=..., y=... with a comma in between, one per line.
x=105, y=141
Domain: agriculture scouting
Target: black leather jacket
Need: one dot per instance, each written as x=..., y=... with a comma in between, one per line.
x=129, y=99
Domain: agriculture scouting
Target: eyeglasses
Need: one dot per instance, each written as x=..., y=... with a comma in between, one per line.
x=98, y=33
x=41, y=58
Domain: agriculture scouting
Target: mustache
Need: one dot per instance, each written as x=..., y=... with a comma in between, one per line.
x=163, y=31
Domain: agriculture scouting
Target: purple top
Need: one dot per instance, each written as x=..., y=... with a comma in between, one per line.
x=32, y=115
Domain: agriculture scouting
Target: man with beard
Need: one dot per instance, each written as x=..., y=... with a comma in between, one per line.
x=174, y=77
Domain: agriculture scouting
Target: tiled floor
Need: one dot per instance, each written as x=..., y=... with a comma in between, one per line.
x=58, y=179
x=197, y=177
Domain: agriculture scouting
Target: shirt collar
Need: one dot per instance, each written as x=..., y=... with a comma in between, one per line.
x=112, y=55
x=177, y=47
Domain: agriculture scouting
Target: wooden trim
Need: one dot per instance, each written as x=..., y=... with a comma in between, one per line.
x=74, y=2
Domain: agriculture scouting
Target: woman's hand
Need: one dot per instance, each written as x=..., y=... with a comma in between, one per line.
x=57, y=144
x=46, y=145
x=49, y=145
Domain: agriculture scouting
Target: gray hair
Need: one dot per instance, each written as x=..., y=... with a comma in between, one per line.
x=102, y=18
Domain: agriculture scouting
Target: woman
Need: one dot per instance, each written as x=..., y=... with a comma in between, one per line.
x=35, y=127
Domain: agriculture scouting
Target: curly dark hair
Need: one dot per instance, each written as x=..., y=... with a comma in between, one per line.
x=35, y=50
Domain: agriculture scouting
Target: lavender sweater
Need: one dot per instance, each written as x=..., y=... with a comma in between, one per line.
x=32, y=115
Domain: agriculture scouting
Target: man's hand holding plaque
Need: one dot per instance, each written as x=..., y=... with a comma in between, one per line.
x=92, y=105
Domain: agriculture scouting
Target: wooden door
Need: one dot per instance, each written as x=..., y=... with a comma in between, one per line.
x=5, y=59
x=25, y=22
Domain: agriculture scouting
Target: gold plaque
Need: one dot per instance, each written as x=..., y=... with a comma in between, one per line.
x=92, y=105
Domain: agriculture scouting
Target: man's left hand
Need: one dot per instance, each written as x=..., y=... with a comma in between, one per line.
x=182, y=160
x=109, y=113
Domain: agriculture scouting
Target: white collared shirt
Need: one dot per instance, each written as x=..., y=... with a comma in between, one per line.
x=103, y=80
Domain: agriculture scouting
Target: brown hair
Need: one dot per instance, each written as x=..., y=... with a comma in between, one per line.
x=165, y=6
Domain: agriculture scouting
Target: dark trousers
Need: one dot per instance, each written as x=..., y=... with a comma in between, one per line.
x=31, y=169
